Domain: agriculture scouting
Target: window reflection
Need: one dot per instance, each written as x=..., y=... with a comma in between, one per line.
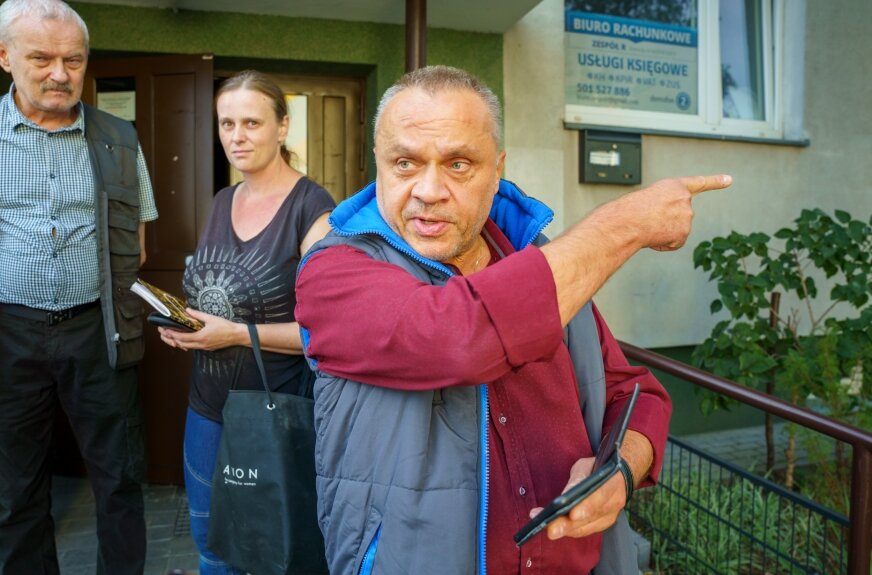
x=741, y=34
x=117, y=96
x=298, y=131
x=678, y=12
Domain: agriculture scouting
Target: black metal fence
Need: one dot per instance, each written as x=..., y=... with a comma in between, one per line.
x=708, y=516
x=771, y=558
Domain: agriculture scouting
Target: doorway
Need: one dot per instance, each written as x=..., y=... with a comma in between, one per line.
x=169, y=100
x=326, y=135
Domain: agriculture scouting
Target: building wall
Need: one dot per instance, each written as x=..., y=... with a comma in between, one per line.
x=375, y=52
x=656, y=299
x=659, y=299
x=126, y=28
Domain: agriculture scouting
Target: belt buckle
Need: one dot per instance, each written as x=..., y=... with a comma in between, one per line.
x=56, y=317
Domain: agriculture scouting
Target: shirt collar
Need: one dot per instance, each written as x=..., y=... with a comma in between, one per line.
x=520, y=217
x=12, y=117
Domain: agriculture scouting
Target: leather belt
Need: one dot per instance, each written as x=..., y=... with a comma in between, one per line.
x=46, y=316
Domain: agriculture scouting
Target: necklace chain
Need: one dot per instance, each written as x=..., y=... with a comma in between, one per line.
x=480, y=253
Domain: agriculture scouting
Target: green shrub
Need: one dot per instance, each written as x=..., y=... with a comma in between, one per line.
x=810, y=358
x=698, y=524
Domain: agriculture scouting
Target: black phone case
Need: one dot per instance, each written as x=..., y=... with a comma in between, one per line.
x=158, y=319
x=563, y=503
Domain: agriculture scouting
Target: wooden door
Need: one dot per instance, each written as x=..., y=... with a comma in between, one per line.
x=326, y=135
x=169, y=100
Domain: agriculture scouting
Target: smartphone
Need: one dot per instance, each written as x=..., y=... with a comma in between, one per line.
x=605, y=465
x=161, y=320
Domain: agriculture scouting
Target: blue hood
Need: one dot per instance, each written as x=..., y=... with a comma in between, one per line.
x=519, y=216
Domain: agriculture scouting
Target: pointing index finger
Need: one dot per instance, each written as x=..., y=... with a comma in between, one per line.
x=699, y=184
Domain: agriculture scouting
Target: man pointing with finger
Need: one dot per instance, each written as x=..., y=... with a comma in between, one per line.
x=465, y=378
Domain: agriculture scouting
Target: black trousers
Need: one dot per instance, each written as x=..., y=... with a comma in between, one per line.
x=42, y=368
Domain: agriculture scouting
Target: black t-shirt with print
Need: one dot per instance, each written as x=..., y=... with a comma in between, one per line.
x=250, y=282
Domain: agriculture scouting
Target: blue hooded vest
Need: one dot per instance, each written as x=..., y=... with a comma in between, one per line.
x=402, y=476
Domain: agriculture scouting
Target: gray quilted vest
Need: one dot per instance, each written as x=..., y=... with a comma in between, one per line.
x=112, y=147
x=399, y=472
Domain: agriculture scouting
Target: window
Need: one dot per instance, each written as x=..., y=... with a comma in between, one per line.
x=710, y=68
x=743, y=59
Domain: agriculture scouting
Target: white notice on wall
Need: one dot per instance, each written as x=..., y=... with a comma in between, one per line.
x=605, y=158
x=121, y=104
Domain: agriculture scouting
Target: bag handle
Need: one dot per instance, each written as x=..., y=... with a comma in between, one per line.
x=255, y=347
x=258, y=358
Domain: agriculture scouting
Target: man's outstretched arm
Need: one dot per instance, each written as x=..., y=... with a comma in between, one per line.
x=657, y=217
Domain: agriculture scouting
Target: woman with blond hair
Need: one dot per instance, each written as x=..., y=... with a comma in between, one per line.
x=243, y=273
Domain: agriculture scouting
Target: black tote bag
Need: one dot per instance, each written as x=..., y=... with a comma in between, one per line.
x=264, y=506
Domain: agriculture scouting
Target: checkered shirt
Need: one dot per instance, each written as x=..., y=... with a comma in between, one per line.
x=46, y=183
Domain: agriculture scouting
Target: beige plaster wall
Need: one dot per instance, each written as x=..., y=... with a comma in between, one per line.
x=659, y=299
x=534, y=138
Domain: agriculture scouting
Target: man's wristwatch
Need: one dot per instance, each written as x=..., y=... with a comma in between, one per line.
x=625, y=470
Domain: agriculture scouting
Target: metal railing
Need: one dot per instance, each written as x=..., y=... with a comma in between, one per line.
x=711, y=516
x=860, y=514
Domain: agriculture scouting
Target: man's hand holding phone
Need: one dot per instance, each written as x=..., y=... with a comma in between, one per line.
x=597, y=512
x=596, y=492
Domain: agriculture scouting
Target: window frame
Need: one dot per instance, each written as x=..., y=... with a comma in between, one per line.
x=778, y=84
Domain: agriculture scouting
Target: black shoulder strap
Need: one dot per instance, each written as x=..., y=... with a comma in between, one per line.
x=258, y=358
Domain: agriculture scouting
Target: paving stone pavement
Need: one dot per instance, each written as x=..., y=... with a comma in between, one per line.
x=746, y=447
x=166, y=512
x=167, y=528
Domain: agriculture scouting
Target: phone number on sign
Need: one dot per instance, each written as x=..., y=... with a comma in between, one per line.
x=602, y=89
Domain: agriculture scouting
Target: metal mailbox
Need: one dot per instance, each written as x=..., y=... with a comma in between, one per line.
x=609, y=157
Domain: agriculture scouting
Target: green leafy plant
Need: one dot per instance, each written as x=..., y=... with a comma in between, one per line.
x=700, y=524
x=806, y=353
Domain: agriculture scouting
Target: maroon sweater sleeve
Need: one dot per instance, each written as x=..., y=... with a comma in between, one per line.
x=373, y=322
x=653, y=407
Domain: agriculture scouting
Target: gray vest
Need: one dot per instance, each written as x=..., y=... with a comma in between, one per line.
x=406, y=465
x=112, y=147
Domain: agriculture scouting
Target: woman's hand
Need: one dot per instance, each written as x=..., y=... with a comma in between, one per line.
x=217, y=333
